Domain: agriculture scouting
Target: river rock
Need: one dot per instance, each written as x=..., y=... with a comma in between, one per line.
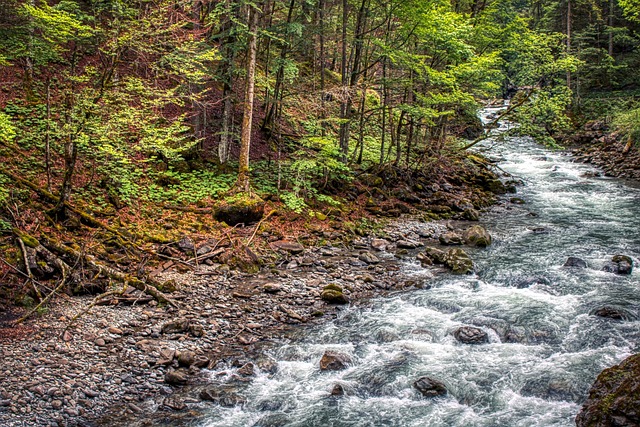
x=450, y=238
x=333, y=294
x=471, y=335
x=222, y=397
x=614, y=399
x=291, y=247
x=334, y=361
x=369, y=258
x=337, y=390
x=575, y=262
x=530, y=281
x=430, y=387
x=177, y=326
x=434, y=254
x=614, y=313
x=477, y=236
x=177, y=377
x=379, y=244
x=619, y=264
x=471, y=214
x=408, y=244
x=186, y=358
x=458, y=261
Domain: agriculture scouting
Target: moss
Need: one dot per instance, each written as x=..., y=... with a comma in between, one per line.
x=333, y=286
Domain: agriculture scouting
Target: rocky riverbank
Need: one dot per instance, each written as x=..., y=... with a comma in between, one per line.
x=118, y=362
x=598, y=145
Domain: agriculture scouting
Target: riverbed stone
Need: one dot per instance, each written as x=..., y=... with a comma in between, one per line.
x=176, y=377
x=619, y=264
x=430, y=387
x=614, y=313
x=477, y=236
x=379, y=244
x=334, y=361
x=575, y=262
x=471, y=335
x=287, y=246
x=368, y=258
x=334, y=294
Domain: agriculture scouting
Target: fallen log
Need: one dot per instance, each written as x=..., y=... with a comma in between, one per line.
x=112, y=273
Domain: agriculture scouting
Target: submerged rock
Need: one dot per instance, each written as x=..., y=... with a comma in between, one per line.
x=575, y=262
x=471, y=335
x=614, y=399
x=334, y=361
x=430, y=387
x=221, y=396
x=477, y=236
x=614, y=313
x=619, y=264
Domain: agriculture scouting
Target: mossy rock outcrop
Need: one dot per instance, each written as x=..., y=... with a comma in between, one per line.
x=240, y=209
x=614, y=399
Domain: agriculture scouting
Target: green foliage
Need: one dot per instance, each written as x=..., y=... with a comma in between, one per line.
x=631, y=9
x=293, y=201
x=628, y=122
x=7, y=130
x=545, y=115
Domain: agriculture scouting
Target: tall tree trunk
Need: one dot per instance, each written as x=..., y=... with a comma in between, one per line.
x=611, y=28
x=242, y=185
x=226, y=130
x=344, y=103
x=569, y=39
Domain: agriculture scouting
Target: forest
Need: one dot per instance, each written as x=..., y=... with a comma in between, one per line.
x=135, y=133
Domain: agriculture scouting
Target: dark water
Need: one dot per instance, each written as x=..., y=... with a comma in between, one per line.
x=545, y=348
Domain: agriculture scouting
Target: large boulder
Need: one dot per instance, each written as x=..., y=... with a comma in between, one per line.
x=430, y=387
x=435, y=255
x=334, y=361
x=619, y=264
x=477, y=236
x=471, y=335
x=458, y=261
x=240, y=209
x=614, y=399
x=287, y=246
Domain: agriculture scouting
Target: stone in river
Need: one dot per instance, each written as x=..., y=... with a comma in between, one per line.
x=471, y=335
x=334, y=361
x=430, y=387
x=575, y=262
x=619, y=264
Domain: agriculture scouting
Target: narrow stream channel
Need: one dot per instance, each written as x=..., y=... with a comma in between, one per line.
x=545, y=347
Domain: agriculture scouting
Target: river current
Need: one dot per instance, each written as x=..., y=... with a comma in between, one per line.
x=546, y=347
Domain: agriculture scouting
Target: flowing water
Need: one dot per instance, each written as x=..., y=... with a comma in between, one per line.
x=545, y=347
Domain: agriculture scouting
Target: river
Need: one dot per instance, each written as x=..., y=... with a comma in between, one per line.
x=545, y=347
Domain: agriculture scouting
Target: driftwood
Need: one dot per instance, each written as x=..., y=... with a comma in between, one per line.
x=149, y=288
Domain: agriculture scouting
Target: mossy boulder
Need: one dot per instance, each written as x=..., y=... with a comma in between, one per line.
x=436, y=256
x=477, y=236
x=614, y=399
x=240, y=209
x=458, y=261
x=333, y=294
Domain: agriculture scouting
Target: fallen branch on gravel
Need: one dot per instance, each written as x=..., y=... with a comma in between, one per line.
x=112, y=273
